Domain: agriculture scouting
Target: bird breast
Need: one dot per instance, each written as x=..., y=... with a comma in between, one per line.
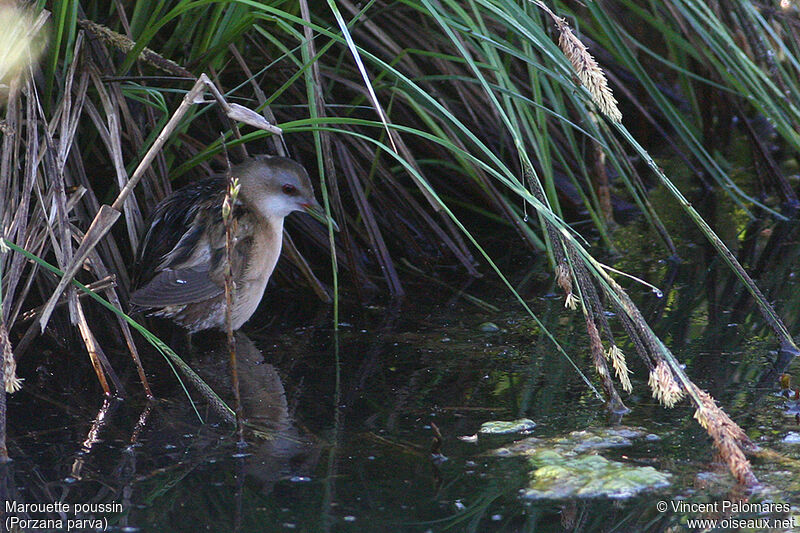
x=265, y=250
x=263, y=256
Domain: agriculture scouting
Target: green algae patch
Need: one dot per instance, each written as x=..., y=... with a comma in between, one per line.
x=569, y=466
x=558, y=476
x=502, y=427
x=584, y=440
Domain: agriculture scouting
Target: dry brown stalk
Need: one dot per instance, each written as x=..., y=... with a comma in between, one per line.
x=111, y=133
x=100, y=270
x=588, y=71
x=10, y=379
x=124, y=44
x=370, y=222
x=93, y=348
x=231, y=193
x=266, y=111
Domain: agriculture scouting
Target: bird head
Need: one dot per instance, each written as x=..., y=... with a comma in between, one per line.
x=276, y=186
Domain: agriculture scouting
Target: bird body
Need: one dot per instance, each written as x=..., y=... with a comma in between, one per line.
x=180, y=268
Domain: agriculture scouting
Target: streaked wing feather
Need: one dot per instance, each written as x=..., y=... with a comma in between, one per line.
x=177, y=287
x=173, y=220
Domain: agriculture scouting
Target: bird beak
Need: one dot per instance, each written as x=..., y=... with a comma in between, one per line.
x=315, y=210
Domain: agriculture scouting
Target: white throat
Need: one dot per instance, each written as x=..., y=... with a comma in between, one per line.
x=276, y=207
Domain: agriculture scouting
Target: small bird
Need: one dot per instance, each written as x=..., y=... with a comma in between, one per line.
x=179, y=270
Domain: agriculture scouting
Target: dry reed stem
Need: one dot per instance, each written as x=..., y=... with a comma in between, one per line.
x=111, y=134
x=53, y=160
x=323, y=140
x=406, y=154
x=231, y=193
x=100, y=270
x=300, y=262
x=93, y=348
x=124, y=44
x=451, y=240
x=34, y=241
x=266, y=111
x=11, y=381
x=378, y=244
x=588, y=71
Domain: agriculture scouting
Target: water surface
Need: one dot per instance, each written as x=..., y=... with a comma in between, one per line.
x=374, y=426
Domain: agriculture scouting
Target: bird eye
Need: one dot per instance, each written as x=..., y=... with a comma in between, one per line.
x=289, y=189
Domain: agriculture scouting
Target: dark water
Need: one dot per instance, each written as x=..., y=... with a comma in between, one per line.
x=347, y=421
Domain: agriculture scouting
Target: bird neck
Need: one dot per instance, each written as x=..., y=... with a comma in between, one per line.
x=274, y=227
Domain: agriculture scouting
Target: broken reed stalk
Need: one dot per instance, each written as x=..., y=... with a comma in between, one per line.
x=231, y=194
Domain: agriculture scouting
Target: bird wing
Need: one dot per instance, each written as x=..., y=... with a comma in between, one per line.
x=177, y=287
x=176, y=223
x=182, y=255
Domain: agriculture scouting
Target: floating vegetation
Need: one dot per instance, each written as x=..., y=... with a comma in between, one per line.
x=569, y=467
x=556, y=476
x=499, y=427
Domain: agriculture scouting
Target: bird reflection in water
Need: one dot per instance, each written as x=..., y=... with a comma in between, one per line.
x=277, y=448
